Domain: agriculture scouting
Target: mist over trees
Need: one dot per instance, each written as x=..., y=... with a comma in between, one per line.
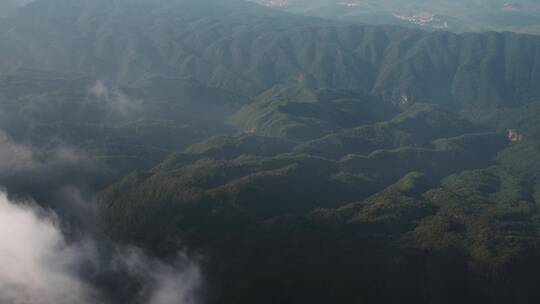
x=206, y=151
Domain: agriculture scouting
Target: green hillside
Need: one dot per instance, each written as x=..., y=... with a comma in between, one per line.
x=425, y=185
x=128, y=127
x=295, y=159
x=301, y=113
x=220, y=45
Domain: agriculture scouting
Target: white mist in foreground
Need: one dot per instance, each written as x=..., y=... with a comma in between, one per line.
x=163, y=283
x=38, y=266
x=35, y=260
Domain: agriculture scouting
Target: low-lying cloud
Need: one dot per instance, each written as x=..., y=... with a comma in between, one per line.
x=162, y=283
x=114, y=99
x=38, y=265
x=60, y=256
x=55, y=176
x=16, y=157
x=51, y=248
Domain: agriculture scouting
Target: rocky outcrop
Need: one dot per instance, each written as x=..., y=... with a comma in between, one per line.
x=514, y=136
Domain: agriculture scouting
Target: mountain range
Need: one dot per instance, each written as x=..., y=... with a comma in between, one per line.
x=298, y=158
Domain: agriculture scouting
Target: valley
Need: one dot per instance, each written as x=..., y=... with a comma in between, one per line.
x=291, y=158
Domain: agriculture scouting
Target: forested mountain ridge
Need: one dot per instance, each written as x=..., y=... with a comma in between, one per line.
x=220, y=45
x=128, y=127
x=466, y=201
x=297, y=159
